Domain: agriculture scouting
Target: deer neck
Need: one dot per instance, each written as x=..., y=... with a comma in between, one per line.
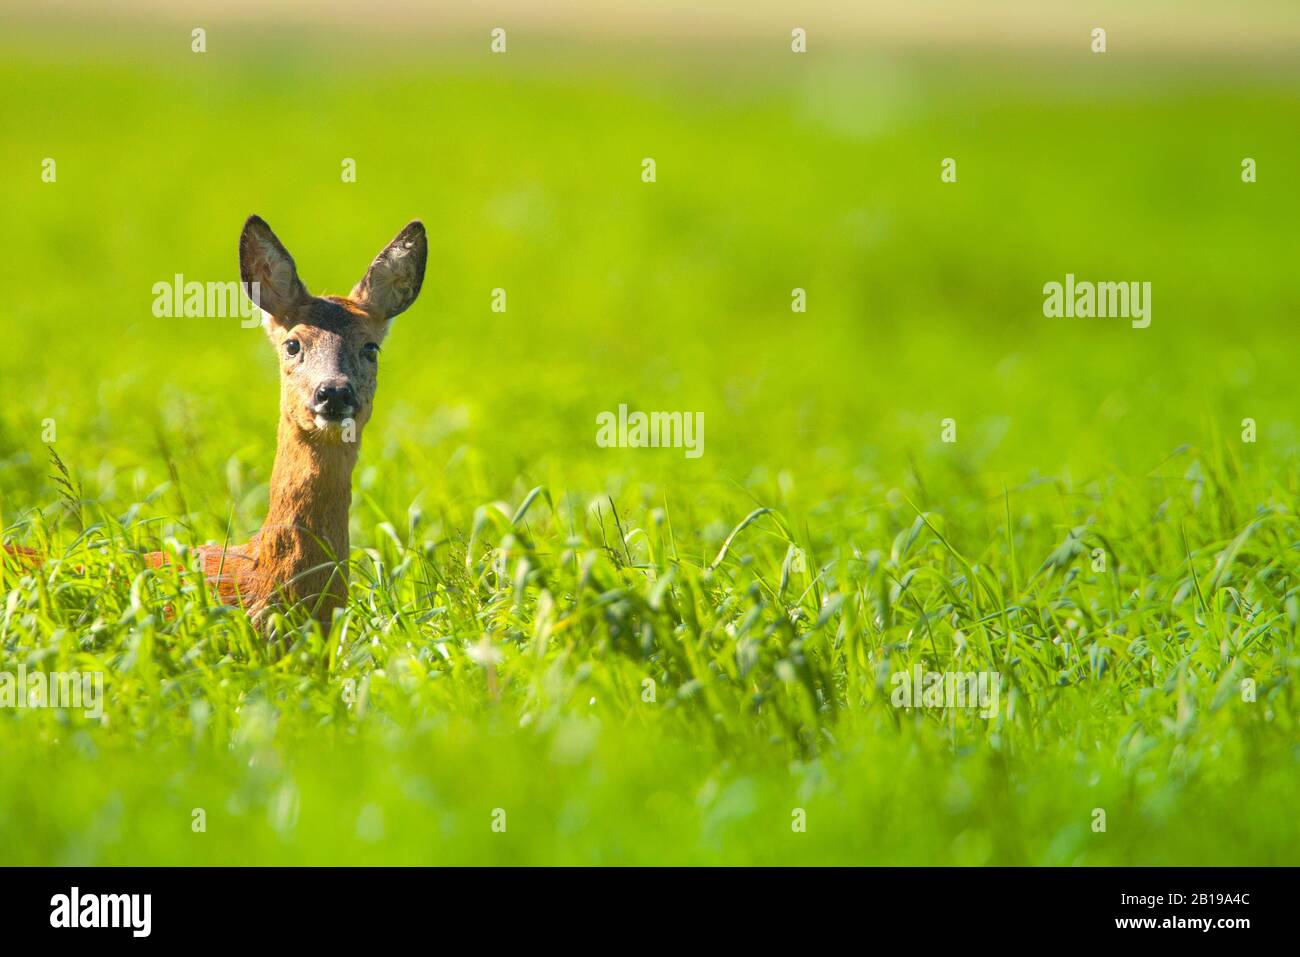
x=307, y=517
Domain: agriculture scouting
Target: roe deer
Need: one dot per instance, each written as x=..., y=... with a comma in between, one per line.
x=329, y=352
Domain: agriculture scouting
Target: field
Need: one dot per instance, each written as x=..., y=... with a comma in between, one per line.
x=556, y=652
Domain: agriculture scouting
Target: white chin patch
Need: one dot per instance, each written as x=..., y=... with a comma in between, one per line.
x=334, y=425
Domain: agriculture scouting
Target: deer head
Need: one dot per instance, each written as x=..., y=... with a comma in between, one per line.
x=328, y=346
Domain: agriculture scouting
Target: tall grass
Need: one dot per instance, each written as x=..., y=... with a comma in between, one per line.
x=636, y=656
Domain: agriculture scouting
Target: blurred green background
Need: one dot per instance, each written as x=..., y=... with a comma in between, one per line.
x=774, y=171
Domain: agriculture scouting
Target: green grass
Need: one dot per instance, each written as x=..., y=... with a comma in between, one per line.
x=496, y=644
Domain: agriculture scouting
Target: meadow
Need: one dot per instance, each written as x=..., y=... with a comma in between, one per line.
x=632, y=656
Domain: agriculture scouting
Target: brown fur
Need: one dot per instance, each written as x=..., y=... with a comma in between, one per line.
x=24, y=557
x=299, y=556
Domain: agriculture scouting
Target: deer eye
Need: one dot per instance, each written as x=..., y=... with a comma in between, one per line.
x=292, y=347
x=371, y=351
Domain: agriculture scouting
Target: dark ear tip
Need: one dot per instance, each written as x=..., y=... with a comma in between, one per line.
x=253, y=225
x=414, y=228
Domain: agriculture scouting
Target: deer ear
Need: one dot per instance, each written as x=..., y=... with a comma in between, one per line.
x=394, y=278
x=270, y=278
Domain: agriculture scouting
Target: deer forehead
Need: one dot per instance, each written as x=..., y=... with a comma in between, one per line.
x=328, y=320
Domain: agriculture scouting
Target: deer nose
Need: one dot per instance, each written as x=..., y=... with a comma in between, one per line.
x=336, y=396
